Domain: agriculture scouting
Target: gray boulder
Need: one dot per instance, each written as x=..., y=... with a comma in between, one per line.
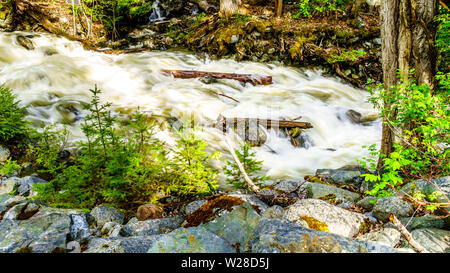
x=138, y=244
x=151, y=226
x=281, y=236
x=7, y=186
x=393, y=204
x=427, y=221
x=191, y=207
x=103, y=214
x=388, y=236
x=79, y=228
x=25, y=185
x=287, y=186
x=39, y=235
x=318, y=191
x=273, y=212
x=335, y=219
x=253, y=200
x=347, y=175
x=367, y=202
x=111, y=229
x=236, y=226
x=4, y=154
x=7, y=202
x=191, y=240
x=432, y=239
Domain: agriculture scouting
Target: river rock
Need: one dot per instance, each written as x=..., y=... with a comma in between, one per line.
x=4, y=154
x=347, y=175
x=191, y=207
x=103, y=214
x=7, y=201
x=134, y=227
x=236, y=226
x=367, y=202
x=432, y=239
x=337, y=220
x=253, y=200
x=273, y=212
x=7, y=186
x=79, y=228
x=393, y=204
x=287, y=186
x=191, y=240
x=388, y=236
x=354, y=116
x=318, y=191
x=149, y=211
x=137, y=244
x=426, y=221
x=25, y=42
x=40, y=235
x=22, y=211
x=275, y=236
x=25, y=185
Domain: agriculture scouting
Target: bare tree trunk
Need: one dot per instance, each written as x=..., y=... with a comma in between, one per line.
x=229, y=7
x=279, y=7
x=408, y=32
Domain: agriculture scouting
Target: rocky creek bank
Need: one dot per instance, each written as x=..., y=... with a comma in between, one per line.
x=324, y=213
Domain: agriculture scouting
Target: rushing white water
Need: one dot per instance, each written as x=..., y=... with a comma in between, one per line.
x=55, y=77
x=157, y=13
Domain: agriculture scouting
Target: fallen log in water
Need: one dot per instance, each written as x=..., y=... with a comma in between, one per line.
x=224, y=123
x=189, y=74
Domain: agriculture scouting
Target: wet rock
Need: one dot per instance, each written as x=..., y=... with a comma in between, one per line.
x=236, y=226
x=134, y=227
x=334, y=219
x=103, y=214
x=79, y=228
x=137, y=244
x=388, y=236
x=191, y=240
x=39, y=235
x=367, y=202
x=320, y=191
x=354, y=116
x=281, y=236
x=149, y=211
x=427, y=221
x=432, y=239
x=4, y=154
x=25, y=42
x=395, y=205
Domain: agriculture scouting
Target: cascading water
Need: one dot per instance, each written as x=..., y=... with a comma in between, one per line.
x=157, y=14
x=54, y=80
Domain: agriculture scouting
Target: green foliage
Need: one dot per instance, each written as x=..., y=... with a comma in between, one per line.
x=115, y=14
x=251, y=166
x=307, y=8
x=9, y=168
x=420, y=118
x=121, y=164
x=346, y=56
x=443, y=40
x=12, y=122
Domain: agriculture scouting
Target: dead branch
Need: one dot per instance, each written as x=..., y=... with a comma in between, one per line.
x=407, y=235
x=246, y=78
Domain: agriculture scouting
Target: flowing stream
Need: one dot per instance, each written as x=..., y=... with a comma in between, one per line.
x=54, y=80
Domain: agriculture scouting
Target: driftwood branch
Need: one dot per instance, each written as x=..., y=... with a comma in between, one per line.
x=407, y=235
x=247, y=179
x=246, y=78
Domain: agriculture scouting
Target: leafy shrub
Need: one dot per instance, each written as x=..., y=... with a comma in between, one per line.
x=124, y=165
x=251, y=166
x=12, y=122
x=307, y=8
x=9, y=168
x=422, y=125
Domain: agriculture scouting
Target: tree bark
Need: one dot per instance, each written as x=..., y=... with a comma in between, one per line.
x=279, y=7
x=408, y=36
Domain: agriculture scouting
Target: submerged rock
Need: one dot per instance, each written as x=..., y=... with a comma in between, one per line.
x=327, y=217
x=25, y=42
